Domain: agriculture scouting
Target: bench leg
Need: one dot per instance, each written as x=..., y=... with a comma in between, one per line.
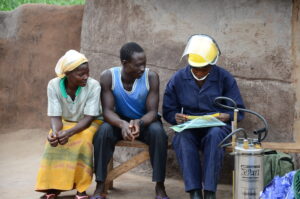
x=109, y=185
x=110, y=168
x=126, y=166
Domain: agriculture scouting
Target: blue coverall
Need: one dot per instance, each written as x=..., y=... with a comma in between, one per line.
x=183, y=92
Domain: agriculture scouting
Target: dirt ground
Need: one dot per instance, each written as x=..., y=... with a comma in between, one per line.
x=20, y=153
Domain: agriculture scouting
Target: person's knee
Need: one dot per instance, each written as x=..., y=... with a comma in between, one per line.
x=215, y=134
x=105, y=131
x=214, y=130
x=176, y=139
x=156, y=130
x=181, y=138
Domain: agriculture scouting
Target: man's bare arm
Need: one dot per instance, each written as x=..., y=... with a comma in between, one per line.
x=108, y=105
x=152, y=99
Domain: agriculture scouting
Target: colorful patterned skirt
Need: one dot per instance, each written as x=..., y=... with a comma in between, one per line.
x=68, y=166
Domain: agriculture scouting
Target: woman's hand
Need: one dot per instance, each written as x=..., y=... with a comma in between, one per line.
x=52, y=139
x=63, y=136
x=224, y=117
x=180, y=118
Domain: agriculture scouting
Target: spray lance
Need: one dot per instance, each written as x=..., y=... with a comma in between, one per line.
x=248, y=154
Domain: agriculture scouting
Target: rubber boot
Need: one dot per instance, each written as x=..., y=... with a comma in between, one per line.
x=196, y=194
x=209, y=195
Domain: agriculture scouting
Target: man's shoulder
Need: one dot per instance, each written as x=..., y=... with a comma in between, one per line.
x=114, y=68
x=223, y=72
x=152, y=73
x=106, y=78
x=152, y=79
x=109, y=71
x=181, y=73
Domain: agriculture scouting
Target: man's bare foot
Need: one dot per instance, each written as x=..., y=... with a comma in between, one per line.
x=160, y=190
x=99, y=191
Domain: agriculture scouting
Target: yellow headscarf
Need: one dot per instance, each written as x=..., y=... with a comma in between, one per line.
x=71, y=60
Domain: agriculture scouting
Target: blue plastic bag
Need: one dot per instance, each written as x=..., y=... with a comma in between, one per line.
x=280, y=187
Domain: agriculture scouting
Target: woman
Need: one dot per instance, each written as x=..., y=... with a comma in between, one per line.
x=73, y=106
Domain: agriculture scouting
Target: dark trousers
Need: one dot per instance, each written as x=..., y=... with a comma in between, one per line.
x=154, y=135
x=187, y=145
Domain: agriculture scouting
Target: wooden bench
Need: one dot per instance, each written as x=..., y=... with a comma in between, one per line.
x=142, y=156
x=286, y=147
x=133, y=162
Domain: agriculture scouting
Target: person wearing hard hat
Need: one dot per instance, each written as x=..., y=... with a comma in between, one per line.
x=191, y=91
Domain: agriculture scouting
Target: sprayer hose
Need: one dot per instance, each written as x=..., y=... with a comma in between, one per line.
x=265, y=129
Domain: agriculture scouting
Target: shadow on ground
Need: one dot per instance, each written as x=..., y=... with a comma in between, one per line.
x=20, y=153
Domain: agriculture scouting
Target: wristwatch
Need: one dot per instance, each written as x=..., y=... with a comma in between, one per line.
x=141, y=124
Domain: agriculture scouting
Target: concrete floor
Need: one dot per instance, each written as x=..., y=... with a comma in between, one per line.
x=20, y=153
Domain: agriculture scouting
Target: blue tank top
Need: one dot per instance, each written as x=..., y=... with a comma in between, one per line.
x=131, y=104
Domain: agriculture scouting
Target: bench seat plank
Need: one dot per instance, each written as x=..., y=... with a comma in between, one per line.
x=286, y=147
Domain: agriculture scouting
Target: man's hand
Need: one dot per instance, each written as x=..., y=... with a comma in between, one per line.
x=180, y=118
x=52, y=139
x=224, y=117
x=134, y=126
x=63, y=136
x=126, y=131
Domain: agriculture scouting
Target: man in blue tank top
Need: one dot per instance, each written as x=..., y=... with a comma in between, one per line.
x=130, y=98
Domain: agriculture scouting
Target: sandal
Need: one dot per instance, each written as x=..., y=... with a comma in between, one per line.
x=49, y=196
x=81, y=197
x=98, y=197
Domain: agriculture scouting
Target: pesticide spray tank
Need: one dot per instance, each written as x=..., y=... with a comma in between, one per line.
x=248, y=172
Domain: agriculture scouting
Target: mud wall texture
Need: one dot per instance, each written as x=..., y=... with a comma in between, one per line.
x=259, y=40
x=296, y=73
x=32, y=38
x=256, y=39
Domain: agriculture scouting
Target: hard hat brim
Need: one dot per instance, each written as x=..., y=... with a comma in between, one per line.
x=202, y=64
